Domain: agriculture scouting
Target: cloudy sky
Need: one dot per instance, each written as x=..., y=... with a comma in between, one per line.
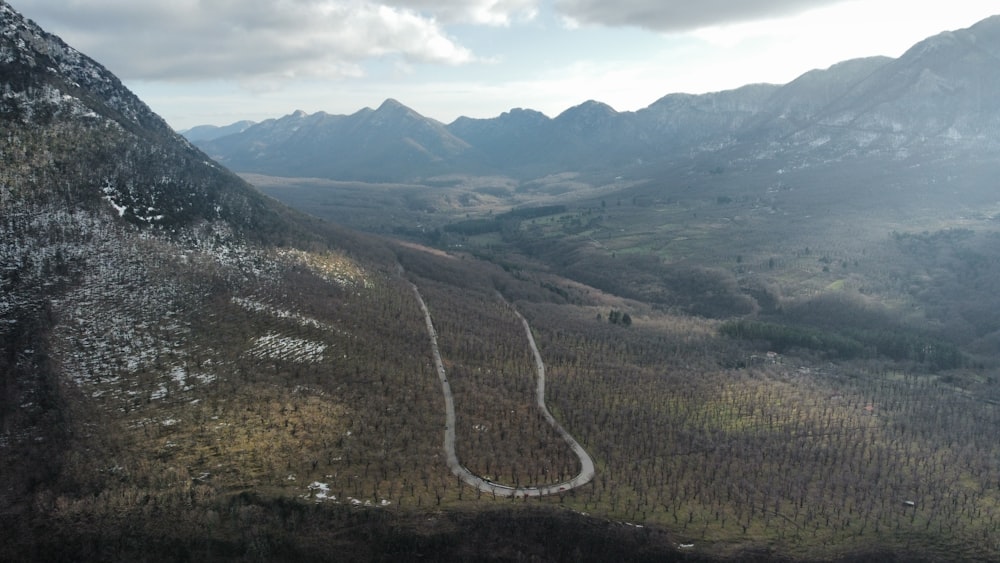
x=219, y=61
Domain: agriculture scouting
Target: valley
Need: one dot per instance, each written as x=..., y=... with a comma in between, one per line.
x=762, y=332
x=849, y=364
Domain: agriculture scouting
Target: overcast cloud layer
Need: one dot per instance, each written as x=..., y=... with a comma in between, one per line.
x=683, y=15
x=246, y=39
x=269, y=40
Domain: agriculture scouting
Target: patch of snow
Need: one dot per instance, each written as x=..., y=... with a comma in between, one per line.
x=320, y=491
x=259, y=307
x=119, y=208
x=278, y=347
x=159, y=393
x=178, y=374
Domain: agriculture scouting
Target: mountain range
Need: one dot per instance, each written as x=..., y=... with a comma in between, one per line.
x=210, y=132
x=935, y=97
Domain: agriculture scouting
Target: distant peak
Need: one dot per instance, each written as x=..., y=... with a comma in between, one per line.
x=524, y=111
x=523, y=116
x=589, y=108
x=992, y=22
x=592, y=105
x=392, y=109
x=391, y=104
x=299, y=113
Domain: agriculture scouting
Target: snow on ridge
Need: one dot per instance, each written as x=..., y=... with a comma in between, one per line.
x=28, y=43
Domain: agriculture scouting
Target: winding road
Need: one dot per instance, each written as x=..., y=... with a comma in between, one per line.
x=485, y=485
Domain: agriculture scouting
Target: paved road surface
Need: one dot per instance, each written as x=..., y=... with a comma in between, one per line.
x=469, y=478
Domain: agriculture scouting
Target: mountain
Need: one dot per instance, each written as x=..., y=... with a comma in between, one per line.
x=526, y=142
x=938, y=92
x=107, y=149
x=798, y=103
x=520, y=135
x=931, y=100
x=145, y=291
x=370, y=145
x=935, y=95
x=211, y=132
x=681, y=122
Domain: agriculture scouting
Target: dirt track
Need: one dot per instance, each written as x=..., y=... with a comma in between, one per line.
x=498, y=489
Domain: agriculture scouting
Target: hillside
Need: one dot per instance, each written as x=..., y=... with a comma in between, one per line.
x=167, y=332
x=190, y=370
x=761, y=361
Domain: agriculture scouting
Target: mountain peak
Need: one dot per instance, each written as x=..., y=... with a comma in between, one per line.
x=984, y=34
x=589, y=108
x=391, y=103
x=392, y=110
x=587, y=116
x=393, y=106
x=939, y=90
x=988, y=26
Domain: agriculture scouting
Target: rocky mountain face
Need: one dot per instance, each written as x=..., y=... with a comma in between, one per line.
x=935, y=97
x=90, y=144
x=932, y=101
x=938, y=92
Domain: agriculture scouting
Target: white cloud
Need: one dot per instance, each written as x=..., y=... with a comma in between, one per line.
x=248, y=40
x=488, y=12
x=678, y=15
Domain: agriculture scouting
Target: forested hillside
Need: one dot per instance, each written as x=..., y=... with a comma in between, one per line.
x=190, y=370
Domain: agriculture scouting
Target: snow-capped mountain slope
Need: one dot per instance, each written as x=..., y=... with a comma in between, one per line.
x=35, y=60
x=69, y=118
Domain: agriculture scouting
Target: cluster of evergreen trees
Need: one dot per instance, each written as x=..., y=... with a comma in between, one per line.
x=617, y=317
x=850, y=343
x=472, y=227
